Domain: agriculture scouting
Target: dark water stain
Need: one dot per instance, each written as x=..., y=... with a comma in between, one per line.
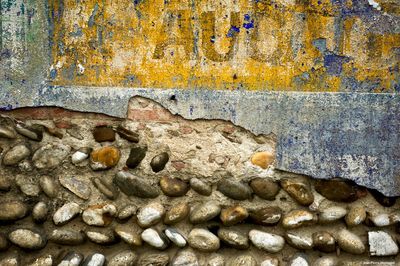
x=334, y=63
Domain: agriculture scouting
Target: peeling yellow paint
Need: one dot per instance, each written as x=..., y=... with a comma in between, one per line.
x=226, y=44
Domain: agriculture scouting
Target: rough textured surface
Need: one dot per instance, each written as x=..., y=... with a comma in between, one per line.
x=210, y=151
x=350, y=47
x=307, y=45
x=359, y=131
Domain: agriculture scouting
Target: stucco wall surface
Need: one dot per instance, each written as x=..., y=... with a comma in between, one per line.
x=323, y=76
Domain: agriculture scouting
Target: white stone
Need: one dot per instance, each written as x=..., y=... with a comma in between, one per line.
x=50, y=155
x=298, y=260
x=243, y=260
x=96, y=259
x=16, y=154
x=125, y=258
x=71, y=259
x=27, y=185
x=25, y=238
x=153, y=238
x=79, y=157
x=300, y=240
x=385, y=219
x=326, y=261
x=48, y=186
x=266, y=241
x=298, y=218
x=350, y=242
x=127, y=211
x=102, y=237
x=382, y=244
x=7, y=132
x=332, y=214
x=150, y=214
x=10, y=261
x=43, y=261
x=39, y=212
x=216, y=260
x=66, y=213
x=203, y=240
x=95, y=216
x=270, y=262
x=175, y=237
x=204, y=212
x=185, y=258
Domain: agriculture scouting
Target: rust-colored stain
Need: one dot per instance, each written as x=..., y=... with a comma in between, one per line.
x=300, y=45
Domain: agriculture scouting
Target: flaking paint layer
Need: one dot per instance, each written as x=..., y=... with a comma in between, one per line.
x=227, y=44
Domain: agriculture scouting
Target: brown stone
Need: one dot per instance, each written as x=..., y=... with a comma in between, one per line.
x=154, y=259
x=382, y=199
x=265, y=188
x=5, y=183
x=99, y=214
x=10, y=211
x=16, y=154
x=234, y=189
x=54, y=132
x=262, y=159
x=350, y=242
x=266, y=216
x=106, y=187
x=136, y=156
x=324, y=241
x=177, y=213
x=34, y=132
x=105, y=158
x=234, y=238
x=129, y=235
x=299, y=189
x=132, y=185
x=127, y=134
x=7, y=132
x=204, y=212
x=233, y=215
x=200, y=186
x=159, y=161
x=173, y=187
x=79, y=187
x=356, y=216
x=3, y=243
x=338, y=190
x=103, y=133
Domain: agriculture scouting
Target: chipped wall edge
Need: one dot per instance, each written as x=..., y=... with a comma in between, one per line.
x=324, y=135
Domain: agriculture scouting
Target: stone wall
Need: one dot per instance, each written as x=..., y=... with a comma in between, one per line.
x=156, y=189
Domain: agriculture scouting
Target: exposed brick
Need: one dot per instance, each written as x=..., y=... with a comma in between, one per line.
x=63, y=124
x=178, y=165
x=150, y=115
x=185, y=129
x=53, y=113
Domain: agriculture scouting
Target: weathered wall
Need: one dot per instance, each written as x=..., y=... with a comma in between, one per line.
x=259, y=45
x=253, y=213
x=87, y=56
